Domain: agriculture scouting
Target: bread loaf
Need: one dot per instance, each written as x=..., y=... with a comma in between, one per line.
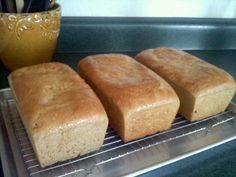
x=62, y=115
x=138, y=102
x=203, y=88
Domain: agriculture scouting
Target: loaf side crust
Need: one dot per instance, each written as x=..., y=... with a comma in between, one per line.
x=62, y=115
x=126, y=87
x=203, y=88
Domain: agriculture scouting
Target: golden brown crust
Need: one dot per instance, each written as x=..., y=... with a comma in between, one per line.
x=125, y=88
x=52, y=96
x=203, y=89
x=125, y=80
x=195, y=75
x=62, y=115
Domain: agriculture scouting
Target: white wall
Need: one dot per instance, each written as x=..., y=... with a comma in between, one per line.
x=150, y=8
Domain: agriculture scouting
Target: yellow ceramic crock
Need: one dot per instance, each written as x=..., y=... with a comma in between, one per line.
x=28, y=38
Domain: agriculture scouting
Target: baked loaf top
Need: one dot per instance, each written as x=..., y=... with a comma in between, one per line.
x=195, y=75
x=52, y=96
x=129, y=83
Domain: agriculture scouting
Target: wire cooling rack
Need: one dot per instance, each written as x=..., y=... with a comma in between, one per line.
x=116, y=158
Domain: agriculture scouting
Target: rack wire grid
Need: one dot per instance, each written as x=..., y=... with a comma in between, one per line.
x=182, y=140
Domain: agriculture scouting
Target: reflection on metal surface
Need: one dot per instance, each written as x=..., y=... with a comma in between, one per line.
x=115, y=157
